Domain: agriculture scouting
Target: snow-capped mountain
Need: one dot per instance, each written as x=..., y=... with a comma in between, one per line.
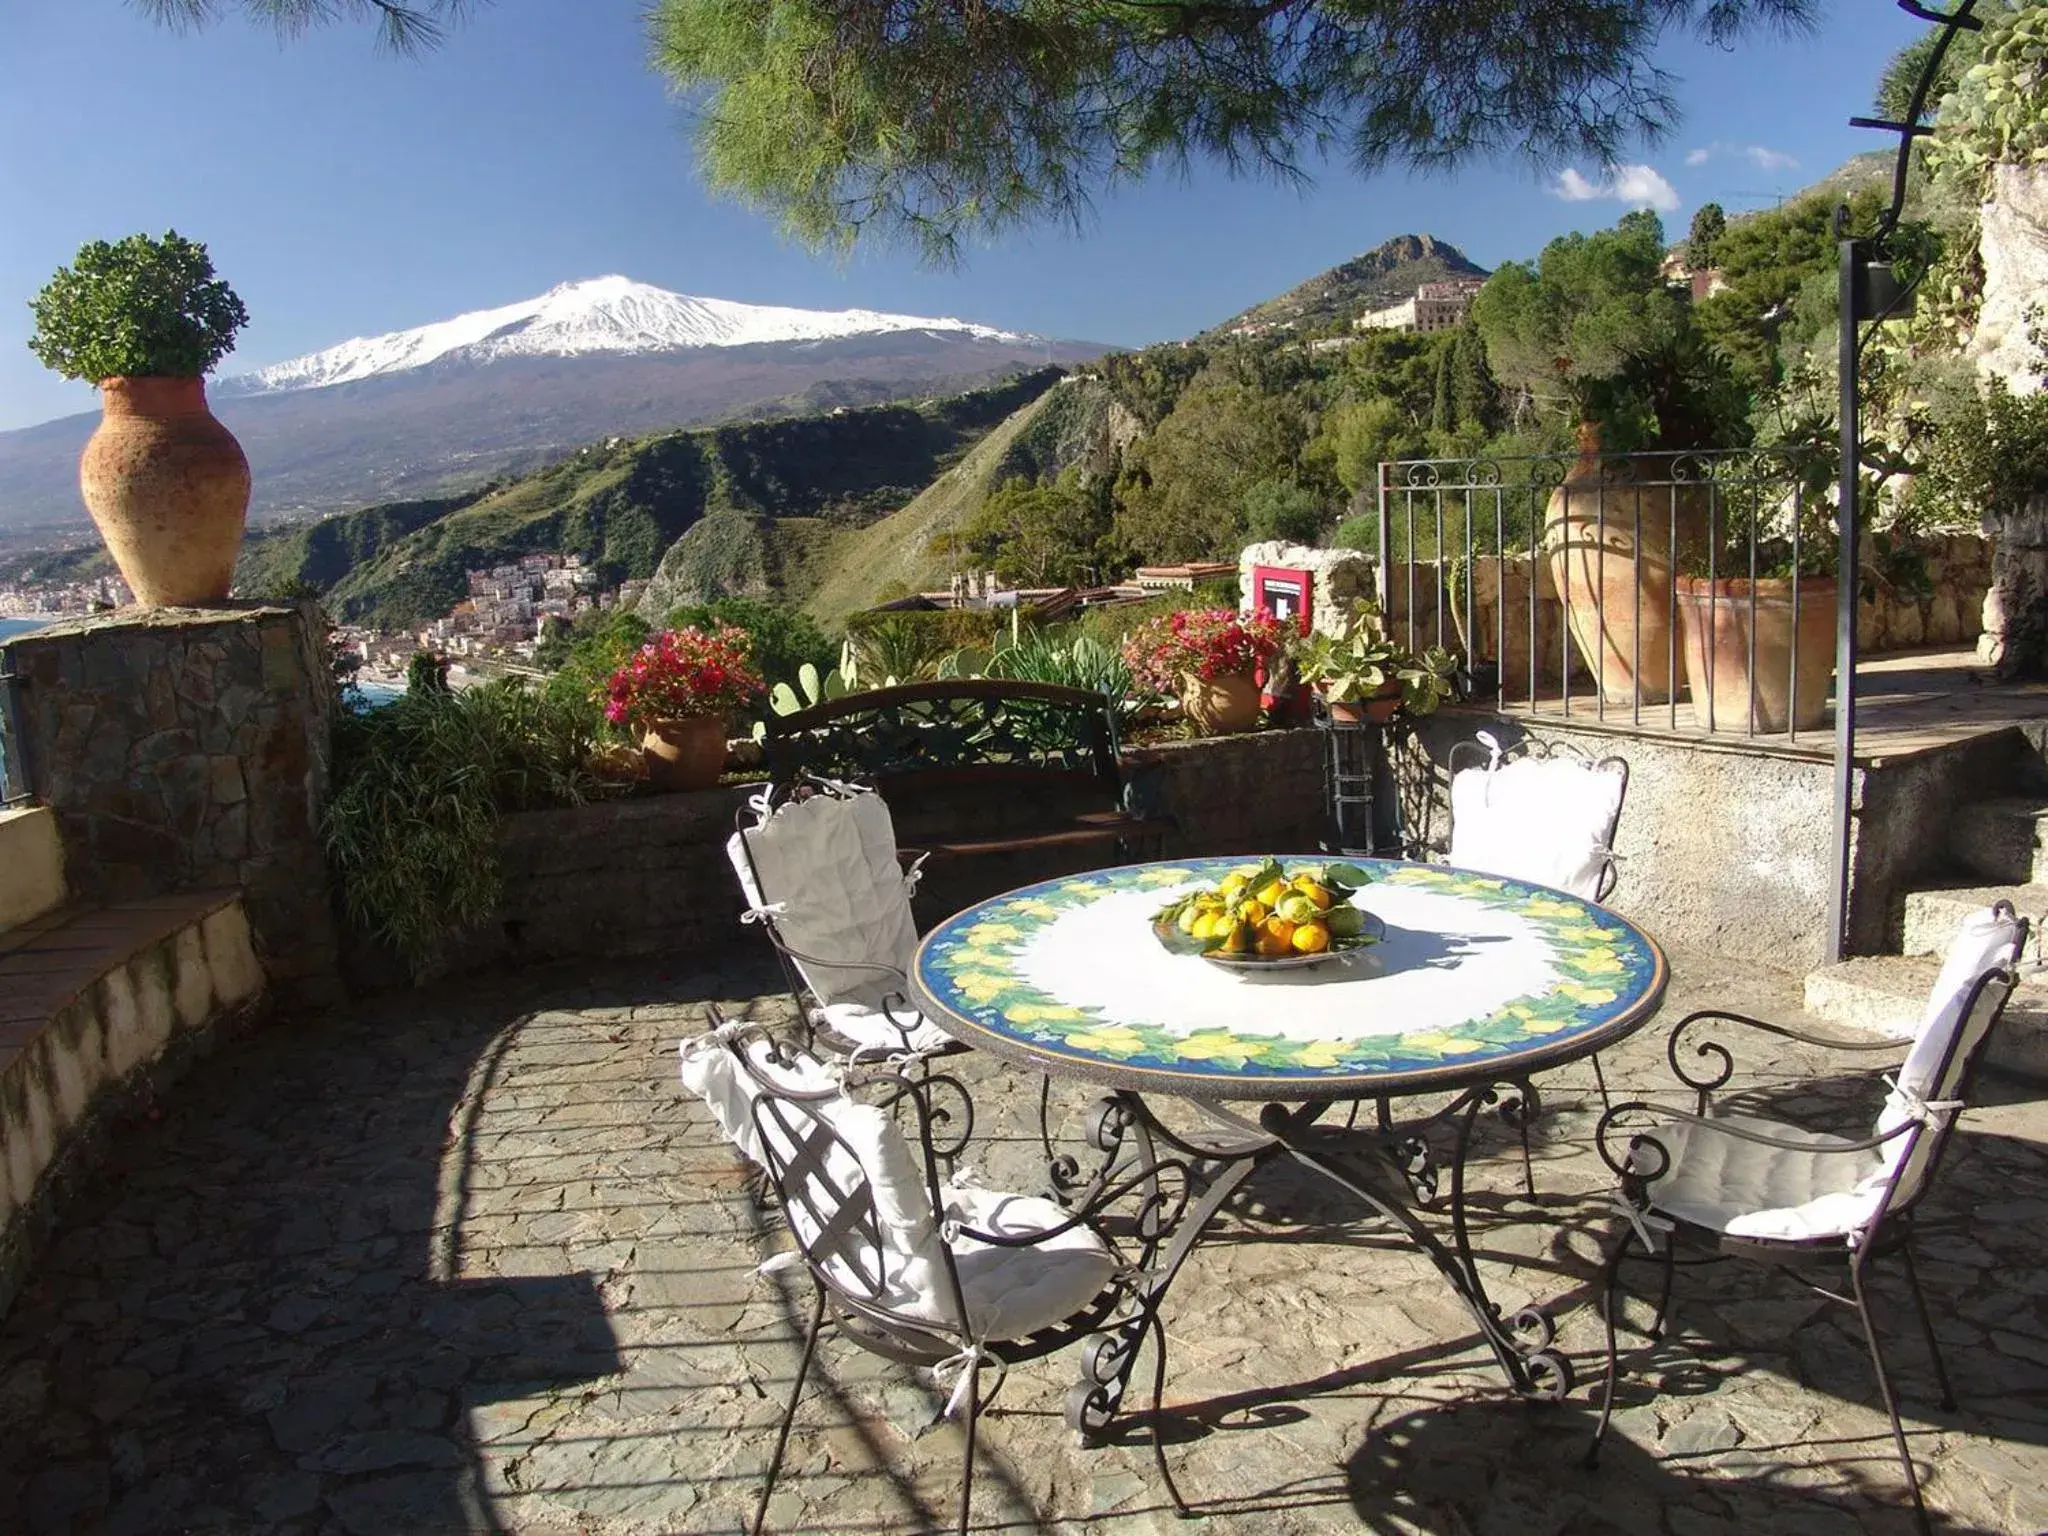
x=605, y=315
x=446, y=406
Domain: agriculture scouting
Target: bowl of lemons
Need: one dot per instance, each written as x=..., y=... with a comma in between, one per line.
x=1267, y=917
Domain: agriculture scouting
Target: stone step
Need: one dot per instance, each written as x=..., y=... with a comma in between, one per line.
x=2002, y=841
x=1933, y=915
x=1886, y=995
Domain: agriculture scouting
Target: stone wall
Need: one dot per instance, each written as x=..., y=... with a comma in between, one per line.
x=1949, y=612
x=649, y=876
x=186, y=749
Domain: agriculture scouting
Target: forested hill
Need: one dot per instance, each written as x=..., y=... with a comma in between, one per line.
x=621, y=503
x=1385, y=275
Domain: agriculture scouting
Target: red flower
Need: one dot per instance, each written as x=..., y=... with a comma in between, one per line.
x=1207, y=643
x=682, y=673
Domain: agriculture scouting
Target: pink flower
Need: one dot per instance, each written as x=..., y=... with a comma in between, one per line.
x=684, y=673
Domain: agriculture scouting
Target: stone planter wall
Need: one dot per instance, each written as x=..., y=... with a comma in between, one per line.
x=186, y=749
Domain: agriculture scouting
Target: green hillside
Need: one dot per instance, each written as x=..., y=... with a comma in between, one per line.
x=1067, y=426
x=621, y=504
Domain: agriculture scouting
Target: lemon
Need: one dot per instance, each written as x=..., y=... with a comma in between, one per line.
x=1297, y=908
x=1346, y=922
x=1233, y=883
x=1272, y=892
x=1314, y=892
x=1188, y=915
x=1253, y=911
x=1207, y=925
x=1238, y=939
x=1311, y=938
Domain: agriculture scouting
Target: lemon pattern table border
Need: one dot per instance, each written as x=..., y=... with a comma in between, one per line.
x=965, y=973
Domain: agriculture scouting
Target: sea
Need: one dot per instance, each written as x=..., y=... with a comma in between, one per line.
x=9, y=628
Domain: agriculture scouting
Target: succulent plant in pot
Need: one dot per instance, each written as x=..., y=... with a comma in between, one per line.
x=167, y=485
x=1363, y=675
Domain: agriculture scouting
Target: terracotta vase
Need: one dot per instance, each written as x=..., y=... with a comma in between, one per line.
x=1610, y=542
x=168, y=487
x=1719, y=619
x=1220, y=706
x=684, y=754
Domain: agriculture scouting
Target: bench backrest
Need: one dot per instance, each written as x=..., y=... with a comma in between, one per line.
x=981, y=730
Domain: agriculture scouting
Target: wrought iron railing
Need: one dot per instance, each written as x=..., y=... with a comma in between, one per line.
x=1689, y=592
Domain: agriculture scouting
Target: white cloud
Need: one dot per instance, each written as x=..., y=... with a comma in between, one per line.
x=1574, y=188
x=1761, y=156
x=1639, y=186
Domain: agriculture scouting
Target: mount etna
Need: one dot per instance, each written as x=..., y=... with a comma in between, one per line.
x=447, y=406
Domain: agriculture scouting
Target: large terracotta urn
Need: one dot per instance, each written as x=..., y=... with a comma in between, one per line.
x=1731, y=621
x=1610, y=538
x=684, y=754
x=169, y=489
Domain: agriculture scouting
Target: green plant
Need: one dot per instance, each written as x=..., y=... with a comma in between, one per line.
x=1988, y=456
x=1072, y=661
x=1206, y=643
x=1360, y=662
x=137, y=308
x=418, y=788
x=1995, y=115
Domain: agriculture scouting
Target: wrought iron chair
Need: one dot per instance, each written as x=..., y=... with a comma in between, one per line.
x=942, y=1275
x=1544, y=812
x=822, y=874
x=1747, y=1187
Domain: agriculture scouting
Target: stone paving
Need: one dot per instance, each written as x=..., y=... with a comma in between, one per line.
x=466, y=1260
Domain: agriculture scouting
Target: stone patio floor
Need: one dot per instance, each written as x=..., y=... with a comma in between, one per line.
x=467, y=1260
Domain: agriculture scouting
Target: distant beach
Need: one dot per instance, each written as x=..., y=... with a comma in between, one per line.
x=9, y=628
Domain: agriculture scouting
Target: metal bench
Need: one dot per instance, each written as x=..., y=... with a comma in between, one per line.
x=999, y=782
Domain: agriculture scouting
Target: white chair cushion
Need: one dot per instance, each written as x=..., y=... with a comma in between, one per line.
x=1008, y=1292
x=1726, y=1184
x=1013, y=1292
x=1544, y=820
x=869, y=1029
x=830, y=863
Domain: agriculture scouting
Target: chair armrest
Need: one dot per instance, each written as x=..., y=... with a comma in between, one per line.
x=1706, y=1083
x=1635, y=1180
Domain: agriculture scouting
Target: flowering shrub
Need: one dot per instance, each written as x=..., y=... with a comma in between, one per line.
x=1207, y=642
x=682, y=673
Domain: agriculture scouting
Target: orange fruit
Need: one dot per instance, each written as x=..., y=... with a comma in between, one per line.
x=1311, y=938
x=1276, y=937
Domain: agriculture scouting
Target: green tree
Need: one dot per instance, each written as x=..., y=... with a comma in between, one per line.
x=1033, y=533
x=1184, y=487
x=1704, y=236
x=405, y=26
x=1360, y=433
x=1283, y=509
x=931, y=120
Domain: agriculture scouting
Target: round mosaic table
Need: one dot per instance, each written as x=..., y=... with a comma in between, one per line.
x=1478, y=978
x=1479, y=984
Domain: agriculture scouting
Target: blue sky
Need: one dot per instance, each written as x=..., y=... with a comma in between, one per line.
x=347, y=193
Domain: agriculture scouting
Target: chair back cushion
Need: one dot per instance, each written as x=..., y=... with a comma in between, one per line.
x=830, y=863
x=1960, y=1013
x=1545, y=820
x=857, y=1202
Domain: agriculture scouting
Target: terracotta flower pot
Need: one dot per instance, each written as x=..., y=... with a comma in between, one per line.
x=1379, y=709
x=684, y=754
x=1220, y=706
x=1611, y=545
x=168, y=487
x=1717, y=618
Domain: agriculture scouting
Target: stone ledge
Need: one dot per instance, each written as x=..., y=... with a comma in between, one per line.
x=100, y=1007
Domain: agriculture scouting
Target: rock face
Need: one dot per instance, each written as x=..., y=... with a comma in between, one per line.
x=2015, y=251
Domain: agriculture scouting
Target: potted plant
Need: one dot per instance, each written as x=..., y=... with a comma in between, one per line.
x=1743, y=632
x=1210, y=657
x=1363, y=675
x=167, y=485
x=679, y=692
